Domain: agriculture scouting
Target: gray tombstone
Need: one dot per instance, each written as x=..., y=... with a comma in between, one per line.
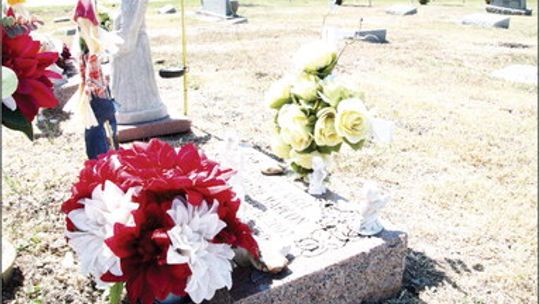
x=401, y=10
x=376, y=35
x=167, y=9
x=220, y=8
x=329, y=261
x=486, y=20
x=509, y=7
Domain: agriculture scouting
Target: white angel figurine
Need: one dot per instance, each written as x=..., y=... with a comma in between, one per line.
x=316, y=179
x=375, y=200
x=234, y=158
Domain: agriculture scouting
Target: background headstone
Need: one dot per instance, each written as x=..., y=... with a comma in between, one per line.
x=218, y=7
x=223, y=9
x=376, y=35
x=66, y=91
x=401, y=10
x=509, y=7
x=167, y=9
x=486, y=20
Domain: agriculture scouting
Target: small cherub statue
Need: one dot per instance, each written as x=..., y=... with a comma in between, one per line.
x=316, y=179
x=375, y=200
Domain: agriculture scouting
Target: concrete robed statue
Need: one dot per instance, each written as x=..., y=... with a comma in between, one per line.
x=133, y=82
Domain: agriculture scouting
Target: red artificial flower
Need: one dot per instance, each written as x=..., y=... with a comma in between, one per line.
x=161, y=174
x=189, y=172
x=95, y=173
x=21, y=54
x=143, y=253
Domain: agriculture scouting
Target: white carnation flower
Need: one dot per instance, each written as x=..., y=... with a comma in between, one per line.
x=109, y=205
x=210, y=263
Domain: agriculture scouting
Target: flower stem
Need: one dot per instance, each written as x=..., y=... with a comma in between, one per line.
x=115, y=293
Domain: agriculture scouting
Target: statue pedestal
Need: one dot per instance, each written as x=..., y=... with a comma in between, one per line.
x=166, y=126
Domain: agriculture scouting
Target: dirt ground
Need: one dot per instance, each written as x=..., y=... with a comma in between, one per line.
x=462, y=169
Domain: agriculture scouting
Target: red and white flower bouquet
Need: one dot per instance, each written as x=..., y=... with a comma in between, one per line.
x=28, y=86
x=161, y=220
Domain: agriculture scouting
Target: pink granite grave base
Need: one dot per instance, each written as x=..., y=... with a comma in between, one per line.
x=143, y=131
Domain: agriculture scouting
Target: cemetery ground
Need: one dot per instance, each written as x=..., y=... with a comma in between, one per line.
x=461, y=170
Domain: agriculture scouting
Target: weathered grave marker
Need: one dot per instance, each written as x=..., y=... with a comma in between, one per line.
x=67, y=90
x=509, y=7
x=375, y=35
x=330, y=261
x=486, y=20
x=222, y=9
x=167, y=9
x=401, y=10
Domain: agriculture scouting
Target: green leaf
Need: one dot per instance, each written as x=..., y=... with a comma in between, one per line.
x=328, y=149
x=300, y=170
x=8, y=21
x=356, y=146
x=327, y=70
x=115, y=293
x=312, y=119
x=16, y=121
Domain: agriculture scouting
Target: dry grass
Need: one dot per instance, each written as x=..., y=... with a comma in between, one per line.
x=462, y=169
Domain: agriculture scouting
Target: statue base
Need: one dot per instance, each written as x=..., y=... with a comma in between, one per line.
x=152, y=113
x=147, y=130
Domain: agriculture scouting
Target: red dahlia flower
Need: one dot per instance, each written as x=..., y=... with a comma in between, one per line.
x=179, y=237
x=142, y=250
x=21, y=54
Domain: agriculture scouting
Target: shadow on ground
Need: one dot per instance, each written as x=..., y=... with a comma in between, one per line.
x=48, y=123
x=10, y=288
x=423, y=272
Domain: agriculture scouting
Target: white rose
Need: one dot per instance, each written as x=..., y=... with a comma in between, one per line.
x=334, y=91
x=316, y=58
x=298, y=139
x=280, y=148
x=294, y=127
x=279, y=93
x=306, y=88
x=352, y=120
x=325, y=128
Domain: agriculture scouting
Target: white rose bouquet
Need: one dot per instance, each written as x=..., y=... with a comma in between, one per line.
x=315, y=112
